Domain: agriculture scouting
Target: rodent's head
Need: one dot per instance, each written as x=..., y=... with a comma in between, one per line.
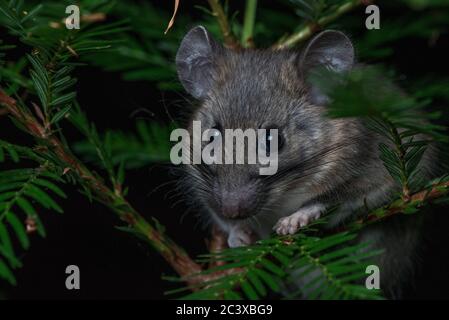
x=260, y=89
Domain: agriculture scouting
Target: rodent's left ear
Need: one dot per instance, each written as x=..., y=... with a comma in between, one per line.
x=195, y=61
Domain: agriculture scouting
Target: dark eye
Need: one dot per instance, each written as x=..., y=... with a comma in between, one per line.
x=269, y=136
x=217, y=132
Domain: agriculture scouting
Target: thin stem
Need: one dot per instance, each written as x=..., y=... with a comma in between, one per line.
x=309, y=29
x=248, y=24
x=218, y=12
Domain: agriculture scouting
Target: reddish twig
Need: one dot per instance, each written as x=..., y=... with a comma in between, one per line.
x=172, y=253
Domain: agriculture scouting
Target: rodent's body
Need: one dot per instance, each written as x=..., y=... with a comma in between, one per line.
x=324, y=162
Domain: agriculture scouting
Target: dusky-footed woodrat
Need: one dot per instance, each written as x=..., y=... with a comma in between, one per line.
x=322, y=161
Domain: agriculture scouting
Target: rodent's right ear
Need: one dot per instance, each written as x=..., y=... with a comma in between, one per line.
x=195, y=61
x=331, y=50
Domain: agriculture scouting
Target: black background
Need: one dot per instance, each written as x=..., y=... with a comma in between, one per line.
x=115, y=265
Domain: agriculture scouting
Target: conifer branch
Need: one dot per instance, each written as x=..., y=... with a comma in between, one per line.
x=411, y=204
x=172, y=253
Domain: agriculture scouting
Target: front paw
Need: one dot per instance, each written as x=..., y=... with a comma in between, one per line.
x=301, y=218
x=240, y=237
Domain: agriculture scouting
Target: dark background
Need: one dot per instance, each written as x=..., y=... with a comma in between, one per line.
x=113, y=264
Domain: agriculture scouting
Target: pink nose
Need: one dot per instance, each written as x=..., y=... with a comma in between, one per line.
x=231, y=210
x=238, y=203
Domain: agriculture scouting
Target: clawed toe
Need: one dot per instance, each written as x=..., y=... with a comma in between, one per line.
x=301, y=218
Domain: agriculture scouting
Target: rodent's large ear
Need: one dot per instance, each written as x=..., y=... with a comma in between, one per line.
x=330, y=49
x=194, y=61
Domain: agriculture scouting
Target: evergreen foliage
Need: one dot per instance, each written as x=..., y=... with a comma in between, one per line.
x=22, y=191
x=332, y=267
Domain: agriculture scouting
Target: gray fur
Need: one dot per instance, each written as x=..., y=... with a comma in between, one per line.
x=324, y=161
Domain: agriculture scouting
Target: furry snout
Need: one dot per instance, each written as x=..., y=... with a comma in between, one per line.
x=235, y=203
